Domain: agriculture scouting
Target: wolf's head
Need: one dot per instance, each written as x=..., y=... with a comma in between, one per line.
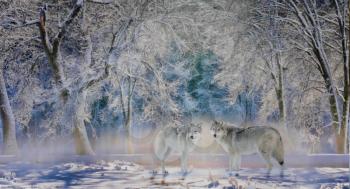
x=192, y=132
x=217, y=129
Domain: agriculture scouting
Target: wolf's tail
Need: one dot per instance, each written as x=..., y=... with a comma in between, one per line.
x=278, y=152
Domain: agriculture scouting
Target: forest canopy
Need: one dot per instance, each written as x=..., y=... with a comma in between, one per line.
x=80, y=71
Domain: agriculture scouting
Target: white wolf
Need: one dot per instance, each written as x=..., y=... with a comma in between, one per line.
x=235, y=141
x=182, y=139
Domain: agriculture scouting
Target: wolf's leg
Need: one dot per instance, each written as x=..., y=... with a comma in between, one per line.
x=184, y=156
x=165, y=156
x=280, y=161
x=267, y=157
x=162, y=165
x=282, y=167
x=282, y=171
x=236, y=161
x=154, y=165
x=230, y=163
x=233, y=158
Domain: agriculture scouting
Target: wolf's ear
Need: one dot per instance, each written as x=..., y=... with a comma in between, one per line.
x=199, y=125
x=180, y=129
x=221, y=123
x=216, y=122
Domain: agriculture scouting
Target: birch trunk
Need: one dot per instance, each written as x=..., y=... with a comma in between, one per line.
x=8, y=121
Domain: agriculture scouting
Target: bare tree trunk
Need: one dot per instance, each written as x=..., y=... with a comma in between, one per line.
x=128, y=121
x=341, y=138
x=82, y=143
x=348, y=88
x=94, y=137
x=276, y=48
x=8, y=121
x=280, y=90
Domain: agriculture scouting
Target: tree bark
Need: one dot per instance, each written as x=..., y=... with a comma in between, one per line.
x=338, y=128
x=341, y=135
x=8, y=121
x=276, y=55
x=280, y=90
x=128, y=119
x=82, y=143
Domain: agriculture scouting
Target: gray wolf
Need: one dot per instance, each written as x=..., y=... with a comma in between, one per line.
x=265, y=141
x=182, y=139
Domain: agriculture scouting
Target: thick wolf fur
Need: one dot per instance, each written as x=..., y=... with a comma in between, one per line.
x=266, y=141
x=181, y=139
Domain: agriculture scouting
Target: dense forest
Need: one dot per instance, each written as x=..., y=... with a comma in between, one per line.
x=79, y=74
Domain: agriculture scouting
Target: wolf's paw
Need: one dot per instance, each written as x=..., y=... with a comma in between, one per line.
x=184, y=173
x=213, y=184
x=282, y=175
x=154, y=172
x=165, y=173
x=232, y=174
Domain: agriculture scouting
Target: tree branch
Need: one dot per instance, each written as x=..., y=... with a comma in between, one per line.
x=101, y=1
x=43, y=32
x=63, y=28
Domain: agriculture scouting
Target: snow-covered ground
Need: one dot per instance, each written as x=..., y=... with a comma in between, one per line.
x=122, y=174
